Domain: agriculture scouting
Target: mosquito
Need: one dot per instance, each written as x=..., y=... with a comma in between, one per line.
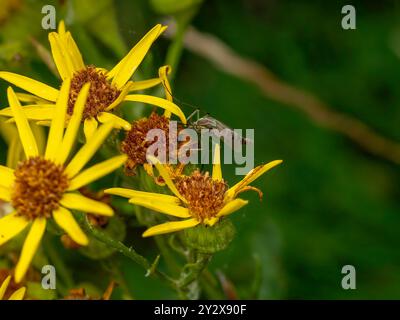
x=208, y=122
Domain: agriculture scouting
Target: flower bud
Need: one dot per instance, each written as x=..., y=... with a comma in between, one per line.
x=208, y=239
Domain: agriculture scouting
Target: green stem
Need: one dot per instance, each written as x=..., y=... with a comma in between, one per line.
x=127, y=252
x=58, y=263
x=194, y=270
x=172, y=265
x=175, y=49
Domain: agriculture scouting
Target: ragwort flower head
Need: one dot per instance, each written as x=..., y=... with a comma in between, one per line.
x=107, y=91
x=136, y=142
x=198, y=198
x=45, y=186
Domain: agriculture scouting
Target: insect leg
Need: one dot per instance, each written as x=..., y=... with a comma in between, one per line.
x=195, y=112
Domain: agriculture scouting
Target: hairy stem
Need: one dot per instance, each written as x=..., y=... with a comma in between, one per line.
x=128, y=252
x=192, y=271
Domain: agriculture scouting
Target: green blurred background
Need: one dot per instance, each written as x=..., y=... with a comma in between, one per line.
x=330, y=203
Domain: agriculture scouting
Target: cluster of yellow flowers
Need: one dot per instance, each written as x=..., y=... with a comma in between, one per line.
x=45, y=184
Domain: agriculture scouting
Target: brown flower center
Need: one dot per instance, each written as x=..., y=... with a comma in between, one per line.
x=204, y=195
x=39, y=187
x=101, y=94
x=135, y=144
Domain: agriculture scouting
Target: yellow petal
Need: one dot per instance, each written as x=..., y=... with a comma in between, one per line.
x=128, y=65
x=232, y=206
x=4, y=287
x=67, y=222
x=5, y=194
x=64, y=65
x=30, y=247
x=6, y=177
x=128, y=193
x=37, y=88
x=162, y=207
x=90, y=127
x=61, y=28
x=7, y=131
x=163, y=73
x=45, y=123
x=73, y=125
x=75, y=201
x=74, y=53
x=70, y=52
x=40, y=137
x=88, y=150
x=167, y=178
x=69, y=47
x=30, y=98
x=144, y=84
x=119, y=123
x=33, y=112
x=24, y=130
x=250, y=177
x=121, y=97
x=58, y=122
x=211, y=221
x=170, y=227
x=97, y=171
x=14, y=153
x=102, y=70
x=149, y=169
x=217, y=172
x=18, y=295
x=159, y=102
x=9, y=121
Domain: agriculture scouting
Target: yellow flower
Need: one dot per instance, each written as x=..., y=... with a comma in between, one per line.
x=17, y=295
x=174, y=170
x=197, y=198
x=136, y=141
x=108, y=88
x=44, y=186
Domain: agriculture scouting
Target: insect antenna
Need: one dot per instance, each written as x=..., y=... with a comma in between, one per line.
x=177, y=100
